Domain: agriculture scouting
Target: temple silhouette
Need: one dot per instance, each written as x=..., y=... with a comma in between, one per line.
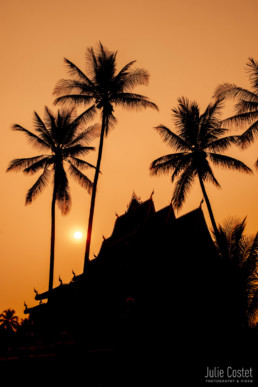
x=153, y=274
x=153, y=303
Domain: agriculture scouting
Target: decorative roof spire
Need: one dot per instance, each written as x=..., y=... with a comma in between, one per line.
x=135, y=202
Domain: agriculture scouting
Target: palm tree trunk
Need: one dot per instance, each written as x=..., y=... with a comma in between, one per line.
x=52, y=243
x=94, y=191
x=216, y=232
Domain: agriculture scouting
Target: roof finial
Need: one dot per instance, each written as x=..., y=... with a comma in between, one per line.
x=152, y=194
x=201, y=203
x=61, y=282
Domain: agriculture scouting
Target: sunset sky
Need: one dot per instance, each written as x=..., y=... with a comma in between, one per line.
x=188, y=47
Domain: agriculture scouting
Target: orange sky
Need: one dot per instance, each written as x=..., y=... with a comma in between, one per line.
x=188, y=47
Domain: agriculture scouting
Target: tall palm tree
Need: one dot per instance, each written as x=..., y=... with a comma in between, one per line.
x=65, y=140
x=246, y=105
x=9, y=321
x=103, y=88
x=200, y=140
x=240, y=266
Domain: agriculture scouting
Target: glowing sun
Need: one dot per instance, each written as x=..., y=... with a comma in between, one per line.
x=77, y=235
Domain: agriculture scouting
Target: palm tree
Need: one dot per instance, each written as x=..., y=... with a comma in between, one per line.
x=240, y=263
x=103, y=88
x=62, y=137
x=9, y=321
x=246, y=107
x=199, y=140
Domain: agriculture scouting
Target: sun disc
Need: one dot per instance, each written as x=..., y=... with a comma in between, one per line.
x=77, y=235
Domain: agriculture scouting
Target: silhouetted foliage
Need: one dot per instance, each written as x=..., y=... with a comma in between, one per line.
x=246, y=106
x=103, y=87
x=64, y=138
x=9, y=322
x=240, y=266
x=200, y=139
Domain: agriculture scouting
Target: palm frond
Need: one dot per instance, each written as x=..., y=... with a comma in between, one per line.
x=244, y=106
x=187, y=120
x=35, y=140
x=38, y=186
x=222, y=143
x=239, y=120
x=21, y=164
x=77, y=150
x=206, y=173
x=229, y=162
x=212, y=112
x=251, y=263
x=182, y=187
x=256, y=164
x=78, y=74
x=249, y=135
x=86, y=116
x=133, y=101
x=252, y=69
x=91, y=62
x=237, y=245
x=209, y=124
x=172, y=139
x=209, y=135
x=84, y=136
x=81, y=163
x=167, y=163
x=41, y=128
x=128, y=80
x=73, y=86
x=232, y=91
x=40, y=164
x=101, y=64
x=182, y=164
x=110, y=120
x=62, y=189
x=121, y=78
x=64, y=201
x=82, y=179
x=74, y=99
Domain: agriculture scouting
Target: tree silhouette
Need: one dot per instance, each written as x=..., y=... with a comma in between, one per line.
x=246, y=106
x=240, y=263
x=103, y=88
x=65, y=140
x=9, y=321
x=200, y=140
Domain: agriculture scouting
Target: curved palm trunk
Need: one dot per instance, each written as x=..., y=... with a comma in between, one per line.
x=52, y=243
x=209, y=208
x=94, y=191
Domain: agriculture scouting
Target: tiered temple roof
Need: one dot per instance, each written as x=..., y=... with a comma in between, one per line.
x=141, y=234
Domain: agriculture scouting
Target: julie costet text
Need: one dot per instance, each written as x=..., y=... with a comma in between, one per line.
x=217, y=372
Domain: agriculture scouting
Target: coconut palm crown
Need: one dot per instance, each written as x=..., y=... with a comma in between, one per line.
x=102, y=88
x=9, y=321
x=246, y=107
x=63, y=138
x=199, y=140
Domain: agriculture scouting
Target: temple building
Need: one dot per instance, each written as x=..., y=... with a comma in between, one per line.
x=154, y=272
x=154, y=304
